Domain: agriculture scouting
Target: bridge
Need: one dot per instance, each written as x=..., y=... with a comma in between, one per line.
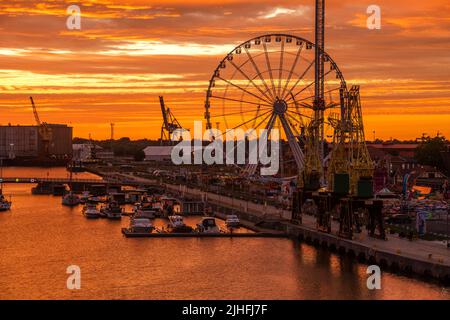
x=127, y=180
x=51, y=180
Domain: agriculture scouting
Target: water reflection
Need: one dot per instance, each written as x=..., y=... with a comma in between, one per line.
x=39, y=238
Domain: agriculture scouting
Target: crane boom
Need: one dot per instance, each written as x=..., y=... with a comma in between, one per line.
x=164, y=113
x=170, y=123
x=36, y=115
x=44, y=131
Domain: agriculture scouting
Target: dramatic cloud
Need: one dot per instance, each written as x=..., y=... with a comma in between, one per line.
x=130, y=51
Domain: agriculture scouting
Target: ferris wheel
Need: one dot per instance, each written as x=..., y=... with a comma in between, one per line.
x=268, y=83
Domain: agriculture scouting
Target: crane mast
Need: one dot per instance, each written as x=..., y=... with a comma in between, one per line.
x=45, y=131
x=313, y=173
x=170, y=123
x=319, y=102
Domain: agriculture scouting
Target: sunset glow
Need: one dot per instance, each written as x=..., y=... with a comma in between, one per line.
x=127, y=53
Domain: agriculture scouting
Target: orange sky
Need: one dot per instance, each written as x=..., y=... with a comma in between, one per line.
x=129, y=52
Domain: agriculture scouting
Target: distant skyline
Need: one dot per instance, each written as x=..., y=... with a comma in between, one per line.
x=129, y=52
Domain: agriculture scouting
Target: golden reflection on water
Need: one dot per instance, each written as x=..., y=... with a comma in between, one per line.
x=39, y=238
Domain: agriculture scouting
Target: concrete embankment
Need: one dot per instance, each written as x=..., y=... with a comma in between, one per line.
x=424, y=258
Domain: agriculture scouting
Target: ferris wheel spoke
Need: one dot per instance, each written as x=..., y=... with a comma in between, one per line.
x=297, y=56
x=299, y=79
x=238, y=87
x=257, y=112
x=312, y=96
x=262, y=121
x=237, y=113
x=303, y=104
x=309, y=117
x=293, y=126
x=297, y=120
x=259, y=73
x=309, y=85
x=244, y=123
x=242, y=101
x=250, y=168
x=266, y=54
x=293, y=143
x=280, y=73
x=251, y=81
x=300, y=114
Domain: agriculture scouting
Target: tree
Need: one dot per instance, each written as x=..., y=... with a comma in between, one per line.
x=139, y=155
x=429, y=152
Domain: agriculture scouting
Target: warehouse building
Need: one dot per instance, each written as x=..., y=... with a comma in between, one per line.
x=158, y=153
x=24, y=142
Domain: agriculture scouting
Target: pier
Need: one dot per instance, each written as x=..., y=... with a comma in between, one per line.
x=129, y=234
x=419, y=257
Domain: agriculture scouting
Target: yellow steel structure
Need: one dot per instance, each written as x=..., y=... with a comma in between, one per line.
x=44, y=131
x=361, y=163
x=313, y=167
x=349, y=154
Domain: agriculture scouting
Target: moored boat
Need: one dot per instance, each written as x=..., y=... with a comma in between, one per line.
x=208, y=225
x=112, y=210
x=140, y=225
x=177, y=225
x=90, y=211
x=232, y=221
x=144, y=210
x=4, y=204
x=94, y=199
x=70, y=199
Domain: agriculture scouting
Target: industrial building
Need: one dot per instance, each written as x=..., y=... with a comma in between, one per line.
x=25, y=142
x=158, y=153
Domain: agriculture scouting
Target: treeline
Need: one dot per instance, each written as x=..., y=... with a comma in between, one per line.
x=123, y=146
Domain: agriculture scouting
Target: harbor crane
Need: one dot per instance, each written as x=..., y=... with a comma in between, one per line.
x=170, y=123
x=45, y=132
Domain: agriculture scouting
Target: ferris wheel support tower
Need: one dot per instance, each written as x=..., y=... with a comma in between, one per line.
x=319, y=102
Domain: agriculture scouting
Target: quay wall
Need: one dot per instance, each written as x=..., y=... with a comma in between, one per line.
x=270, y=217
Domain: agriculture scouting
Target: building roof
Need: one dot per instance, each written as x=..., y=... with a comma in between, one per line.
x=404, y=146
x=158, y=150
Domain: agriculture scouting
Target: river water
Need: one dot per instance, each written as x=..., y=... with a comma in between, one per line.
x=39, y=239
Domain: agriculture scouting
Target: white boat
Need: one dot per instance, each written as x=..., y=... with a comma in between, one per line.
x=71, y=199
x=140, y=225
x=94, y=199
x=112, y=210
x=232, y=221
x=90, y=211
x=177, y=225
x=144, y=210
x=208, y=225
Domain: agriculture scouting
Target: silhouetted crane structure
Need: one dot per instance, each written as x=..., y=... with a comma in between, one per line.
x=170, y=123
x=45, y=132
